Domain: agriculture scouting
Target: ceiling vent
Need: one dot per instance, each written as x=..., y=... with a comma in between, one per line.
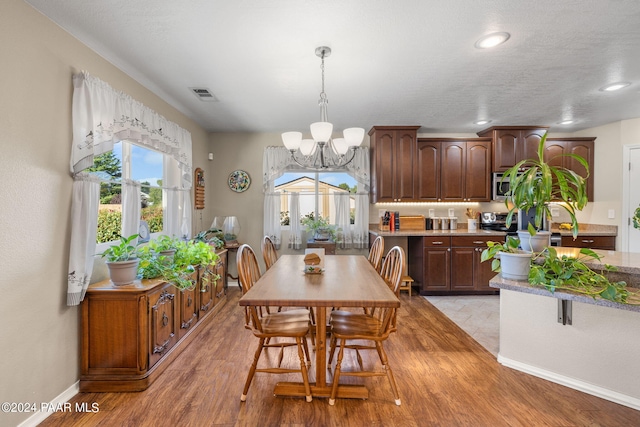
x=203, y=94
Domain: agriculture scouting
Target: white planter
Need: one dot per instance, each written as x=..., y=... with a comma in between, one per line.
x=536, y=243
x=123, y=272
x=515, y=266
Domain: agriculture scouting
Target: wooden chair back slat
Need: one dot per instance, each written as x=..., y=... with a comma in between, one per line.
x=375, y=253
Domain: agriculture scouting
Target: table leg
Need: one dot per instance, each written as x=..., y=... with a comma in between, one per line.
x=321, y=346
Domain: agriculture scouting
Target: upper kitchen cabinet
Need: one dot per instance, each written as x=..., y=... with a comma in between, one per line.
x=584, y=147
x=512, y=144
x=453, y=170
x=393, y=150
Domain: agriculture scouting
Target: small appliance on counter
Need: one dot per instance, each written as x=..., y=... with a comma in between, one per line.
x=497, y=221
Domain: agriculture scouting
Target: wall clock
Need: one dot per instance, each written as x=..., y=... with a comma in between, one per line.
x=239, y=181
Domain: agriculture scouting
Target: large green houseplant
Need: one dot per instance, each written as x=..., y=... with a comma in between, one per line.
x=542, y=183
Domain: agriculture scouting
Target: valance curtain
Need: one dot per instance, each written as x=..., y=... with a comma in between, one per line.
x=102, y=116
x=277, y=160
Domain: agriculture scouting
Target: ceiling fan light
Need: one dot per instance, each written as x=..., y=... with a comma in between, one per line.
x=292, y=140
x=340, y=145
x=321, y=131
x=353, y=136
x=307, y=147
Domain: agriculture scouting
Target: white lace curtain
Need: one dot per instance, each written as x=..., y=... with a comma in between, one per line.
x=295, y=229
x=101, y=117
x=277, y=161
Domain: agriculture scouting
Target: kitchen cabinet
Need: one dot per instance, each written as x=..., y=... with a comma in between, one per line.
x=512, y=144
x=445, y=264
x=392, y=163
x=555, y=148
x=607, y=243
x=453, y=170
x=430, y=263
x=468, y=273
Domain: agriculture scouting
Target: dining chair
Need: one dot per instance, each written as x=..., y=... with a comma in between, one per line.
x=374, y=326
x=265, y=326
x=375, y=253
x=269, y=252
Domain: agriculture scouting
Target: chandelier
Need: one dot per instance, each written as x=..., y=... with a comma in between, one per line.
x=322, y=151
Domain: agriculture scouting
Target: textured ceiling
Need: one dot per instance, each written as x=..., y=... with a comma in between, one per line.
x=409, y=62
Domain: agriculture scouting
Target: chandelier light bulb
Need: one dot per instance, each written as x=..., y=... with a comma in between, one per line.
x=353, y=136
x=292, y=140
x=321, y=131
x=340, y=145
x=307, y=147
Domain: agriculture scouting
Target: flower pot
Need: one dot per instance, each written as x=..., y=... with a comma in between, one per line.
x=322, y=235
x=168, y=256
x=536, y=243
x=123, y=272
x=515, y=266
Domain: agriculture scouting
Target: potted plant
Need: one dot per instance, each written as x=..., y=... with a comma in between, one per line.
x=507, y=259
x=568, y=271
x=319, y=228
x=165, y=246
x=188, y=257
x=122, y=261
x=540, y=184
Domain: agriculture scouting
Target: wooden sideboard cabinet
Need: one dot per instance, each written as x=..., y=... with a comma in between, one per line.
x=130, y=334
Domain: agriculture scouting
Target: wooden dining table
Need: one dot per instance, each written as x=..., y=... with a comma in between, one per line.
x=347, y=281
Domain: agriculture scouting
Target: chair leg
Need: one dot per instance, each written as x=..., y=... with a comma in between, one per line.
x=336, y=375
x=387, y=369
x=252, y=370
x=312, y=326
x=303, y=368
x=332, y=350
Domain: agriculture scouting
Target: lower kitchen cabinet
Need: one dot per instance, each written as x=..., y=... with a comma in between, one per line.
x=450, y=264
x=130, y=334
x=607, y=243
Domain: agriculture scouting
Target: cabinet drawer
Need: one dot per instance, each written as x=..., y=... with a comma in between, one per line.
x=439, y=241
x=593, y=242
x=474, y=241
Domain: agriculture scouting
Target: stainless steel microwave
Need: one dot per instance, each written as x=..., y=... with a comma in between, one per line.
x=500, y=186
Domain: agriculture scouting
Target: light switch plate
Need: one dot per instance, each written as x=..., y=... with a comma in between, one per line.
x=555, y=212
x=612, y=213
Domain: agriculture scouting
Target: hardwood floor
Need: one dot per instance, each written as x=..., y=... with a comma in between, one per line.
x=445, y=378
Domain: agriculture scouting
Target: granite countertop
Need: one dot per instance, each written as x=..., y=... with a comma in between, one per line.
x=628, y=265
x=588, y=230
x=458, y=232
x=522, y=286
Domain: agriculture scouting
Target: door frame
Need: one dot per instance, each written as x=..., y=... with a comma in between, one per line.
x=625, y=221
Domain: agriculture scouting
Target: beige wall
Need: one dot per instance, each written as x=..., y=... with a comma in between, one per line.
x=40, y=355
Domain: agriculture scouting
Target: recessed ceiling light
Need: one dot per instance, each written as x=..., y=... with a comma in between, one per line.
x=565, y=122
x=482, y=122
x=492, y=40
x=614, y=86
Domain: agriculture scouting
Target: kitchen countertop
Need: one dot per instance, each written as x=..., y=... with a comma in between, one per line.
x=373, y=229
x=628, y=265
x=588, y=230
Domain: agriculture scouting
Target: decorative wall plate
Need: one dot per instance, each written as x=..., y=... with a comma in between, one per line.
x=239, y=181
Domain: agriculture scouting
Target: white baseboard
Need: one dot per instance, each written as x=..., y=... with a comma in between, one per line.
x=585, y=387
x=63, y=397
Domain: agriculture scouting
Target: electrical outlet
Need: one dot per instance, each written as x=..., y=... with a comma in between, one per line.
x=555, y=212
x=612, y=213
x=381, y=213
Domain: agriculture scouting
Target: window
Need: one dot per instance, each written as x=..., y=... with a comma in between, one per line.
x=128, y=161
x=316, y=191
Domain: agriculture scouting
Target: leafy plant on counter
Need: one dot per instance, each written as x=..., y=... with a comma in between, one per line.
x=636, y=218
x=542, y=183
x=494, y=248
x=568, y=273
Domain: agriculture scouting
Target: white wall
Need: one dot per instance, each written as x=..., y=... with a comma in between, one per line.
x=40, y=334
